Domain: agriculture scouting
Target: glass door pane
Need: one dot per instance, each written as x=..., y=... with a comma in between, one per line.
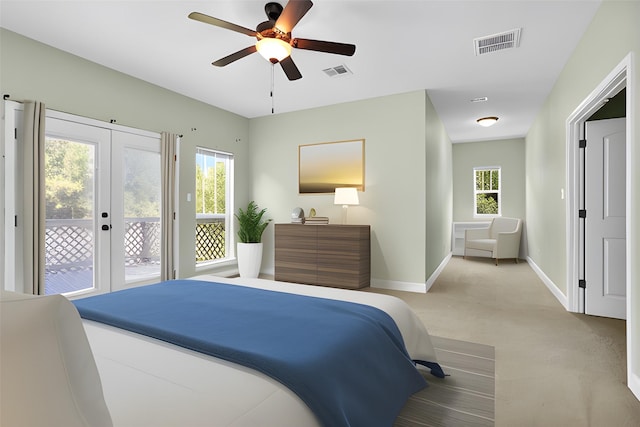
x=141, y=214
x=77, y=219
x=69, y=212
x=135, y=204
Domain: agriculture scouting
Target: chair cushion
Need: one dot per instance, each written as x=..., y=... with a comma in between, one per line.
x=481, y=244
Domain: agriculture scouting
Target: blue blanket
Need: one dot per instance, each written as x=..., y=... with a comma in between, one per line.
x=346, y=361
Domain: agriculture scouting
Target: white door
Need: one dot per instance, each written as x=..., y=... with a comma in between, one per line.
x=605, y=230
x=77, y=199
x=102, y=196
x=135, y=209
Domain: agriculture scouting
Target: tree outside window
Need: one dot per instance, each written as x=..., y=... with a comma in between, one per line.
x=487, y=191
x=68, y=179
x=213, y=207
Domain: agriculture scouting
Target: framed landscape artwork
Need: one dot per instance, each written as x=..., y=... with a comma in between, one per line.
x=326, y=166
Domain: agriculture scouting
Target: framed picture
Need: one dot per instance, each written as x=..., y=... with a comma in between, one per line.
x=326, y=166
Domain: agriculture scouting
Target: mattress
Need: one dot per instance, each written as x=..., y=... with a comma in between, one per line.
x=149, y=382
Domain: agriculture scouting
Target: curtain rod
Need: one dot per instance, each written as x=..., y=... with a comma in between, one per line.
x=7, y=96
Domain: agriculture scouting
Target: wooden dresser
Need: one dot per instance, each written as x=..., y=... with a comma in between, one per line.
x=326, y=255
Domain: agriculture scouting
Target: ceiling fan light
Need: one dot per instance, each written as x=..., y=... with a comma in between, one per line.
x=487, y=121
x=272, y=48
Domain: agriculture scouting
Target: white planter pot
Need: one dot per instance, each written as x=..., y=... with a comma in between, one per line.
x=249, y=259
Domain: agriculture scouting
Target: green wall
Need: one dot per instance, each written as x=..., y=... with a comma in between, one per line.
x=33, y=71
x=611, y=36
x=613, y=33
x=408, y=155
x=438, y=191
x=406, y=159
x=509, y=155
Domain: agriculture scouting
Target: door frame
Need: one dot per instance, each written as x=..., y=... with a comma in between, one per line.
x=115, y=207
x=8, y=263
x=620, y=77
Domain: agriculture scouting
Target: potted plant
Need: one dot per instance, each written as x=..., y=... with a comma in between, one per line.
x=249, y=249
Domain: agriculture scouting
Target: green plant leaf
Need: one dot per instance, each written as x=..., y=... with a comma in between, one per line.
x=252, y=224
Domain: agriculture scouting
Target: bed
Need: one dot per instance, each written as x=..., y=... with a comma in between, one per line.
x=173, y=385
x=148, y=381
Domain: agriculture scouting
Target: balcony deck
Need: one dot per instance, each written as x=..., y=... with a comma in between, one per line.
x=69, y=250
x=60, y=282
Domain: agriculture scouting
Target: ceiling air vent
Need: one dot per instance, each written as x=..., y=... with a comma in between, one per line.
x=507, y=40
x=340, y=70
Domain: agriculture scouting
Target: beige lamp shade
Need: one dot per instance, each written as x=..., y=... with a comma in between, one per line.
x=346, y=196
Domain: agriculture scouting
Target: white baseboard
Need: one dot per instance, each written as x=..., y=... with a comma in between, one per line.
x=562, y=298
x=222, y=270
x=634, y=384
x=434, y=276
x=229, y=269
x=421, y=288
x=395, y=285
x=268, y=271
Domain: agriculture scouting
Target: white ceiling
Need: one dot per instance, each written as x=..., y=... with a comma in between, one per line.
x=402, y=46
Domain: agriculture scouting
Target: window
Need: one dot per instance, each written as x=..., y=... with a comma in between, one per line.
x=486, y=191
x=214, y=205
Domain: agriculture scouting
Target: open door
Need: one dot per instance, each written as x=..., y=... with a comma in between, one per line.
x=605, y=229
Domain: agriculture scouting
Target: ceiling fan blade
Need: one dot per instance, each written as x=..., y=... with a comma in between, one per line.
x=324, y=46
x=292, y=13
x=235, y=56
x=290, y=69
x=197, y=16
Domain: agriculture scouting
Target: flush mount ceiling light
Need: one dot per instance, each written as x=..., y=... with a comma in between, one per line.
x=487, y=121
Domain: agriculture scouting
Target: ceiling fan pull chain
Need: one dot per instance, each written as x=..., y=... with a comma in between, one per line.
x=272, y=89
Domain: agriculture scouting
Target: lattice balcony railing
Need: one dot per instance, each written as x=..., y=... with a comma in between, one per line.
x=69, y=242
x=210, y=237
x=68, y=245
x=142, y=241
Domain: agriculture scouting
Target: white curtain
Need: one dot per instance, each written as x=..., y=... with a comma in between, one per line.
x=168, y=142
x=33, y=190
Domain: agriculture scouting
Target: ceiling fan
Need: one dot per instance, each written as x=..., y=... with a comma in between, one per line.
x=274, y=37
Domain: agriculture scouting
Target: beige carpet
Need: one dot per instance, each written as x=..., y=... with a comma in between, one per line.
x=553, y=368
x=464, y=398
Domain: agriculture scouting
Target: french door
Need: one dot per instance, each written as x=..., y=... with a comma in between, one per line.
x=102, y=197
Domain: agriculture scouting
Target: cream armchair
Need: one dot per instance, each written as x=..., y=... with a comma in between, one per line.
x=49, y=376
x=500, y=240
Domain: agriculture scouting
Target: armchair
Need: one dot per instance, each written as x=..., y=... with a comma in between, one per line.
x=500, y=240
x=49, y=376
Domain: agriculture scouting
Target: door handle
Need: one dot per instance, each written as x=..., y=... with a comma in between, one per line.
x=106, y=227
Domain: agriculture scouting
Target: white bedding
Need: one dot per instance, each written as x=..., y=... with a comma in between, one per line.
x=148, y=382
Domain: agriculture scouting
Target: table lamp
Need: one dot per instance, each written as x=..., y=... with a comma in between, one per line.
x=346, y=196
